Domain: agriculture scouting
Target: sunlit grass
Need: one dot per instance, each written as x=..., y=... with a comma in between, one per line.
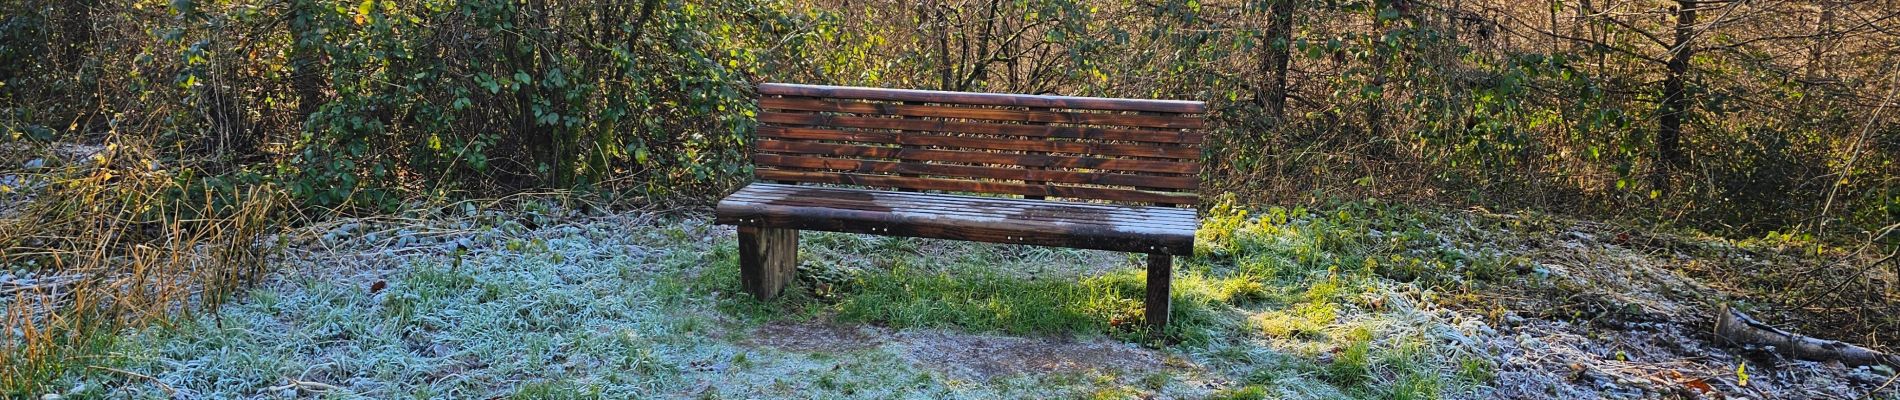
x=1309, y=281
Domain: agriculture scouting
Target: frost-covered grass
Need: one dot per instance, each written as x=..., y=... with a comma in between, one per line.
x=1362, y=300
x=571, y=310
x=624, y=306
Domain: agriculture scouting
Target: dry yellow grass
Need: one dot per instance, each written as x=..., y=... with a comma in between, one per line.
x=108, y=241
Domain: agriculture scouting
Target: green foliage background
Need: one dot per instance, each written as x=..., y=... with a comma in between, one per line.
x=366, y=104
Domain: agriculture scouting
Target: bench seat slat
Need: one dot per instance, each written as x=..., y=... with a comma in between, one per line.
x=1027, y=214
x=1044, y=216
x=977, y=218
x=961, y=205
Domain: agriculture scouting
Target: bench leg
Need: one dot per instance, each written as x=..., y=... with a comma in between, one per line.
x=1160, y=275
x=767, y=259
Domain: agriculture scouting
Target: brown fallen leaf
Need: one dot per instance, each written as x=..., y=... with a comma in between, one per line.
x=1699, y=385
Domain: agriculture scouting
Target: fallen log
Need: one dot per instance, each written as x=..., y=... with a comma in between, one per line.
x=1738, y=328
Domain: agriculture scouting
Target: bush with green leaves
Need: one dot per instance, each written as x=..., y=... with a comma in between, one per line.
x=433, y=97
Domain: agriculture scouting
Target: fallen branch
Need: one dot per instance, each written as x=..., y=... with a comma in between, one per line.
x=304, y=385
x=10, y=288
x=169, y=391
x=1739, y=328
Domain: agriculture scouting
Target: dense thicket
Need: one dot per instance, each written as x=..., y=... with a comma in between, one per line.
x=1727, y=114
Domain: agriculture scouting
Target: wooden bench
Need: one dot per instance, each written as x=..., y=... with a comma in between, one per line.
x=1129, y=168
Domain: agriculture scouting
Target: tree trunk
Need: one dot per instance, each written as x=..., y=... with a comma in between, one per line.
x=1675, y=102
x=1374, y=110
x=306, y=67
x=1816, y=69
x=76, y=22
x=76, y=18
x=1274, y=58
x=945, y=69
x=1381, y=61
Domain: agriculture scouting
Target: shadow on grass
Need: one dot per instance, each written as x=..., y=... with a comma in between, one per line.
x=976, y=295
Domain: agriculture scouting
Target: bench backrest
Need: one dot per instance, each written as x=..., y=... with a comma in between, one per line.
x=1122, y=150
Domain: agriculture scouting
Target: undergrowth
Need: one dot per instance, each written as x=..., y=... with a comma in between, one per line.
x=110, y=241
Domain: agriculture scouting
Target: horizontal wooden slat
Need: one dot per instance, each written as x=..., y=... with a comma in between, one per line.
x=957, y=185
x=995, y=114
x=888, y=196
x=987, y=219
x=950, y=208
x=985, y=143
x=973, y=157
x=1028, y=145
x=1067, y=132
x=889, y=224
x=1096, y=178
x=992, y=99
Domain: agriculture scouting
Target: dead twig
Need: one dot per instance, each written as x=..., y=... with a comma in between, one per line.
x=169, y=391
x=304, y=385
x=1850, y=278
x=1883, y=386
x=45, y=283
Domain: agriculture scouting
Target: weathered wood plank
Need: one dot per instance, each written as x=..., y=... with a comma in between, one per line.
x=1041, y=109
x=979, y=172
x=1160, y=277
x=975, y=157
x=993, y=114
x=984, y=143
x=768, y=258
x=932, y=216
x=936, y=125
x=960, y=185
x=992, y=99
x=1137, y=151
x=769, y=191
x=953, y=206
x=890, y=223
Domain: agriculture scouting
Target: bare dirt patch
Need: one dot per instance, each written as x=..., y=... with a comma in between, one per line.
x=808, y=337
x=981, y=357
x=968, y=356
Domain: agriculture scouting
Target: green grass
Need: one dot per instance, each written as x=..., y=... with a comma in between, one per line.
x=982, y=300
x=1281, y=275
x=1287, y=275
x=978, y=297
x=1353, y=365
x=1249, y=392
